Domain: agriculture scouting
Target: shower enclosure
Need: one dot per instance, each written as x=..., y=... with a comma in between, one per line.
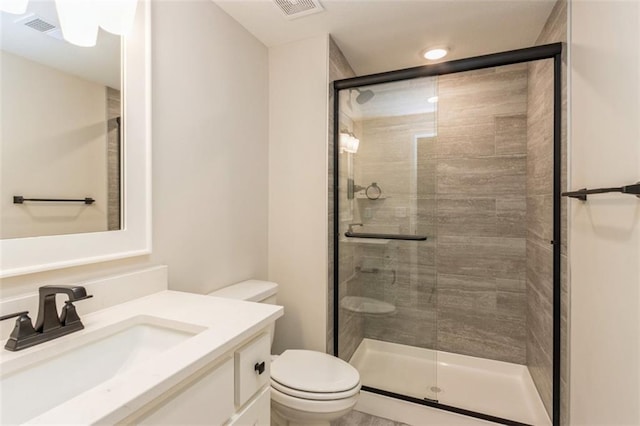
x=447, y=182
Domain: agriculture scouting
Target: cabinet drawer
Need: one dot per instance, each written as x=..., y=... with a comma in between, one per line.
x=253, y=368
x=258, y=413
x=204, y=400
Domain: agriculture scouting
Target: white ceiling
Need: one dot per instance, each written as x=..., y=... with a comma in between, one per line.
x=100, y=64
x=384, y=35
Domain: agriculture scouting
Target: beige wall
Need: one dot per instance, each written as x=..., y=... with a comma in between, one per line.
x=298, y=82
x=604, y=233
x=54, y=128
x=210, y=136
x=209, y=155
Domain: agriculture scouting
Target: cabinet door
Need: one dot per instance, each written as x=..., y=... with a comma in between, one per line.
x=253, y=368
x=206, y=400
x=258, y=413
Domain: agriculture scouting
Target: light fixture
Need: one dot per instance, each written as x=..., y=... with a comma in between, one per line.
x=433, y=54
x=116, y=16
x=17, y=7
x=432, y=99
x=348, y=142
x=80, y=19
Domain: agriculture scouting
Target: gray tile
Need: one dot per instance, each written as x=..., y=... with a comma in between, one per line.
x=468, y=216
x=467, y=293
x=465, y=139
x=498, y=176
x=540, y=218
x=511, y=215
x=511, y=134
x=482, y=257
x=484, y=335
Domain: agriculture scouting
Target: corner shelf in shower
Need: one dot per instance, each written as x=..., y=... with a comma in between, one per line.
x=367, y=305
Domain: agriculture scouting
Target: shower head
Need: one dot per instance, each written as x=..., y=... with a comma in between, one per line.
x=364, y=96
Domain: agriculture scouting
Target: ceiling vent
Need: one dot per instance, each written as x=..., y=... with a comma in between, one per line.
x=293, y=9
x=37, y=23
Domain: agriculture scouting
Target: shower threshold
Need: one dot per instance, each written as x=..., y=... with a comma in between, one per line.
x=489, y=387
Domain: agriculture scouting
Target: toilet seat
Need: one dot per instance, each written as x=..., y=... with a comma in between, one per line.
x=314, y=396
x=314, y=375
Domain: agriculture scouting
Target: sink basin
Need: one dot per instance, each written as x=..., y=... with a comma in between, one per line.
x=59, y=372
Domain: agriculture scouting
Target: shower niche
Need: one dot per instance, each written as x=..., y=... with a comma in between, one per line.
x=446, y=195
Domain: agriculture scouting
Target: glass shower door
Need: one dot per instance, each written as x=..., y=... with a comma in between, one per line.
x=386, y=274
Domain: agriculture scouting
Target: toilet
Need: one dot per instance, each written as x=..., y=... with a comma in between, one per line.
x=307, y=387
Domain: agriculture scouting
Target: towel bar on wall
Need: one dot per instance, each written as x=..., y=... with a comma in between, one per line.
x=19, y=199
x=582, y=193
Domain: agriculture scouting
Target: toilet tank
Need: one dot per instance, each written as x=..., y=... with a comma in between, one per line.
x=250, y=291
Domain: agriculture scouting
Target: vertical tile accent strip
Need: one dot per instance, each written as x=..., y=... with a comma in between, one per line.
x=339, y=68
x=541, y=209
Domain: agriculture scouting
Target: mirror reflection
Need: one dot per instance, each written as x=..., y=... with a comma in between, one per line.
x=61, y=129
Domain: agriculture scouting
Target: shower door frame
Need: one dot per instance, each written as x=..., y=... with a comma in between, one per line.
x=529, y=54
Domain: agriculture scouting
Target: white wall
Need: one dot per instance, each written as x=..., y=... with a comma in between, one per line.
x=54, y=145
x=298, y=93
x=605, y=231
x=210, y=144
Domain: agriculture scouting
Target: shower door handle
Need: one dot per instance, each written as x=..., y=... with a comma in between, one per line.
x=403, y=237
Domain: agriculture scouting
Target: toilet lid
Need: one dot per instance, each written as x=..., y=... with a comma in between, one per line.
x=312, y=371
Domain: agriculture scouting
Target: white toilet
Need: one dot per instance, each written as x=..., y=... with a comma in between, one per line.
x=307, y=387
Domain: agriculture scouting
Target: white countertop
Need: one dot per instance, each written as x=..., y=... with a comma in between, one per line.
x=225, y=324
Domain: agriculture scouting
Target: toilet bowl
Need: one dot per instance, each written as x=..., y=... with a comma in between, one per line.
x=307, y=387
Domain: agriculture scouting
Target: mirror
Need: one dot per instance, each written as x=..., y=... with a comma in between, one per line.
x=38, y=253
x=61, y=128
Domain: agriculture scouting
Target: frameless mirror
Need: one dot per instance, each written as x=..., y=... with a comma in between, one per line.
x=61, y=128
x=75, y=125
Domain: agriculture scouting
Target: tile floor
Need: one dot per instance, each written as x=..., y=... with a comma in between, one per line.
x=357, y=418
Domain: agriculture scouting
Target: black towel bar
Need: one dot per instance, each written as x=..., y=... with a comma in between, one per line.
x=19, y=199
x=378, y=236
x=582, y=193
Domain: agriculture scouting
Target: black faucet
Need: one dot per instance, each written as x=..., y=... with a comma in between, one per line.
x=48, y=324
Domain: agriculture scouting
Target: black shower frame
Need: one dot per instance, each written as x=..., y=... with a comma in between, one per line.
x=536, y=53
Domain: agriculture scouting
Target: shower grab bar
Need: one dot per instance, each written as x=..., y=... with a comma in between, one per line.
x=582, y=193
x=19, y=199
x=377, y=236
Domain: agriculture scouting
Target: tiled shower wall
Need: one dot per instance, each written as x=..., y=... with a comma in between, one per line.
x=470, y=199
x=480, y=156
x=539, y=219
x=401, y=273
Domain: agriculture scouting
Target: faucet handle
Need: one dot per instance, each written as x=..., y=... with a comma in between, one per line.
x=69, y=314
x=22, y=329
x=16, y=314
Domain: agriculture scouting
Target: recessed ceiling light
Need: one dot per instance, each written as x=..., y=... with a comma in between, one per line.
x=432, y=100
x=433, y=54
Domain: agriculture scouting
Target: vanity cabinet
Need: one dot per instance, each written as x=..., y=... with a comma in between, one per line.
x=234, y=389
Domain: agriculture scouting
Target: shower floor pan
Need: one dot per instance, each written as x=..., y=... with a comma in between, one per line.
x=485, y=386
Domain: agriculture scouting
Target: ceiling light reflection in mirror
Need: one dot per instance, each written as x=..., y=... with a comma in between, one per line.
x=80, y=19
